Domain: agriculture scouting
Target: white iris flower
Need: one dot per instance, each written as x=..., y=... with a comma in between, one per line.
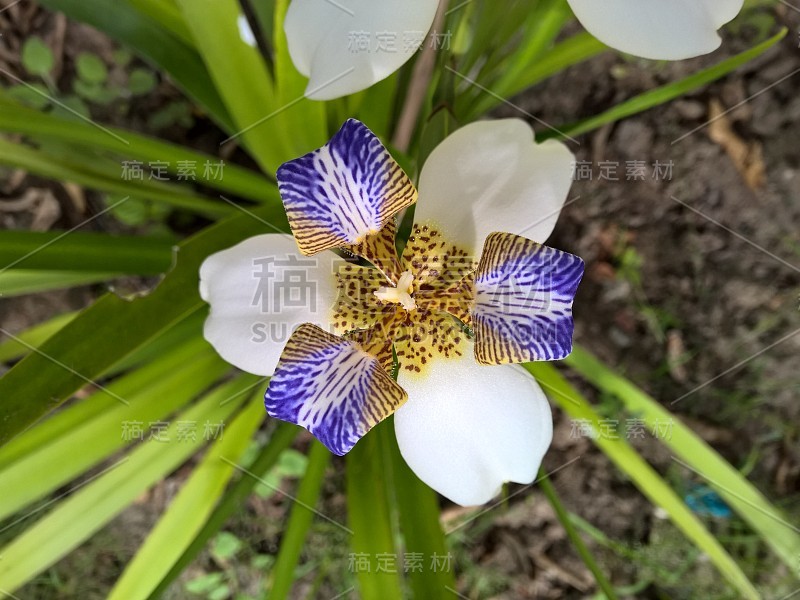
x=472, y=292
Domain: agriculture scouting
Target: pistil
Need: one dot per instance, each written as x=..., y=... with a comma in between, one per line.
x=400, y=294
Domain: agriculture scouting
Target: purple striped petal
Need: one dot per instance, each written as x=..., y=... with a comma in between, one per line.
x=331, y=387
x=523, y=301
x=348, y=189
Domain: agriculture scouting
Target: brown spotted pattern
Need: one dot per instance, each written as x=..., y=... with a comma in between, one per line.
x=379, y=249
x=442, y=289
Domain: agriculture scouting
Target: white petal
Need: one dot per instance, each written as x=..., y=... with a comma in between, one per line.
x=491, y=176
x=259, y=291
x=325, y=40
x=466, y=429
x=245, y=32
x=657, y=29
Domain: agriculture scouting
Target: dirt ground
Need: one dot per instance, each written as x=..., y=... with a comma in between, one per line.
x=692, y=287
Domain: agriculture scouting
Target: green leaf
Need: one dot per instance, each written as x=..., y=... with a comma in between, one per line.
x=18, y=282
x=95, y=92
x=79, y=251
x=643, y=476
x=241, y=79
x=91, y=68
x=370, y=512
x=204, y=584
x=34, y=95
x=122, y=56
x=418, y=507
x=231, y=501
x=37, y=58
x=163, y=347
x=264, y=11
x=71, y=108
x=575, y=539
x=665, y=93
x=143, y=397
x=78, y=171
x=226, y=545
x=113, y=328
x=221, y=593
x=189, y=511
x=303, y=127
x=12, y=349
x=300, y=519
x=133, y=146
x=141, y=82
x=166, y=14
x=92, y=506
x=563, y=55
x=770, y=523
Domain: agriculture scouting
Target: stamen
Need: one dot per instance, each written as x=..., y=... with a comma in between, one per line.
x=400, y=294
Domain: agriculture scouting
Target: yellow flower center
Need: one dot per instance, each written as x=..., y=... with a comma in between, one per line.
x=422, y=316
x=402, y=294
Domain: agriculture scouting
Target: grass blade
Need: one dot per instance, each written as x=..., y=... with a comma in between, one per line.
x=241, y=78
x=11, y=349
x=574, y=537
x=167, y=15
x=233, y=499
x=299, y=522
x=418, y=508
x=57, y=168
x=190, y=509
x=18, y=282
x=131, y=146
x=82, y=514
x=665, y=93
x=370, y=513
x=82, y=252
x=114, y=328
x=643, y=476
x=169, y=385
x=772, y=526
x=80, y=413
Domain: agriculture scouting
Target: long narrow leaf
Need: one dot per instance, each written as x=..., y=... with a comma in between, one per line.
x=571, y=51
x=370, y=515
x=12, y=349
x=643, y=476
x=299, y=523
x=114, y=328
x=418, y=508
x=39, y=162
x=575, y=539
x=89, y=252
x=770, y=523
x=190, y=509
x=62, y=458
x=665, y=93
x=241, y=79
x=303, y=121
x=92, y=506
x=233, y=499
x=21, y=282
x=167, y=15
x=64, y=422
x=134, y=146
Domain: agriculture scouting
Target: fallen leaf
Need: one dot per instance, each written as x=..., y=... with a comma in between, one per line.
x=747, y=157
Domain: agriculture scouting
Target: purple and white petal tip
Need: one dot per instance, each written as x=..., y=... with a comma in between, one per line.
x=331, y=387
x=523, y=301
x=341, y=193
